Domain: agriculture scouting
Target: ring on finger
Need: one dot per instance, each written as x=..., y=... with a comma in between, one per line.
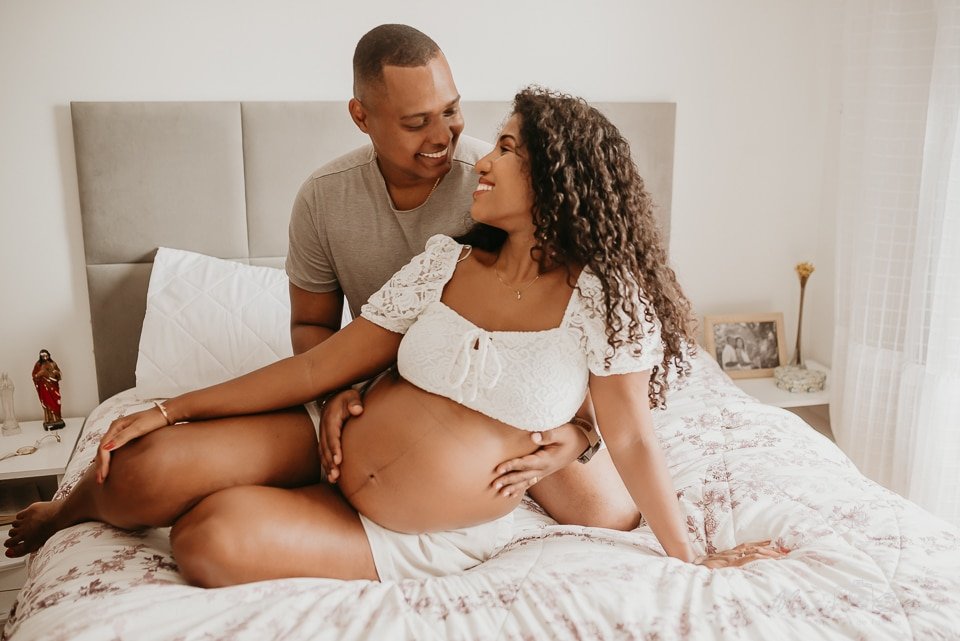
x=534, y=480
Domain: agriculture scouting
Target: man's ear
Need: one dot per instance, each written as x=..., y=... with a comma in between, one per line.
x=358, y=114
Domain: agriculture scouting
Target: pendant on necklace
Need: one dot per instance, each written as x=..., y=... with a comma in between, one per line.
x=518, y=291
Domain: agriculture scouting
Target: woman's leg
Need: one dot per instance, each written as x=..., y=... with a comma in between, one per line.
x=156, y=478
x=591, y=495
x=252, y=533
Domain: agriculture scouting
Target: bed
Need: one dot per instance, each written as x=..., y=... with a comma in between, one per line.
x=211, y=183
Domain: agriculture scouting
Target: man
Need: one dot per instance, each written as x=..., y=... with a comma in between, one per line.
x=360, y=218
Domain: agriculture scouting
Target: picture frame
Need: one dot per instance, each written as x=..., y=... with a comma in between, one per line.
x=746, y=345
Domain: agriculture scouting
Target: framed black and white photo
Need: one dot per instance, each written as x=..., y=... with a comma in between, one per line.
x=746, y=345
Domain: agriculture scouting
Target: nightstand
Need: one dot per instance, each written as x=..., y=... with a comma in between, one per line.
x=45, y=469
x=813, y=407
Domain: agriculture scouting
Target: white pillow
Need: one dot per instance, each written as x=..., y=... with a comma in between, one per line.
x=209, y=320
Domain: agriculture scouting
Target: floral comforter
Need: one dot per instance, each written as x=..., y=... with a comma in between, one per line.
x=865, y=563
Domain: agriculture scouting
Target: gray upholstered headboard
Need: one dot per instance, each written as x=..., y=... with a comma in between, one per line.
x=219, y=178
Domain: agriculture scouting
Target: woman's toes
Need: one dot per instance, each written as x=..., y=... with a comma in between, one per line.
x=32, y=529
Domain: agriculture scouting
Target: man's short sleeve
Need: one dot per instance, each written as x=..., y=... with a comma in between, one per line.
x=308, y=265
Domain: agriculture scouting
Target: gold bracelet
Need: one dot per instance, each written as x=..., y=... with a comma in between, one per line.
x=163, y=411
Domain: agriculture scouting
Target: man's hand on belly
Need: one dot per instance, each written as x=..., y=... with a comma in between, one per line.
x=333, y=415
x=558, y=448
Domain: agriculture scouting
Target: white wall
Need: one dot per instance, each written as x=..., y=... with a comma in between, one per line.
x=756, y=111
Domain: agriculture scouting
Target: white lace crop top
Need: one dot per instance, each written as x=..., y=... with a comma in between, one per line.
x=532, y=380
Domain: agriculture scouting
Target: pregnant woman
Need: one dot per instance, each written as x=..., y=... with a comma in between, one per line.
x=562, y=287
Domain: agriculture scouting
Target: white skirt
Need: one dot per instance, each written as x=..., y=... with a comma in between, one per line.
x=419, y=556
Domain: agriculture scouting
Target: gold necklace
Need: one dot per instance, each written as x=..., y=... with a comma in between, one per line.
x=432, y=189
x=496, y=270
x=436, y=183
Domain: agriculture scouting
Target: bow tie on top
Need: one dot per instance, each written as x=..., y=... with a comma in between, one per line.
x=477, y=366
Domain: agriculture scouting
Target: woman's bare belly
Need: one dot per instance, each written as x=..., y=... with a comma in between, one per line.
x=417, y=462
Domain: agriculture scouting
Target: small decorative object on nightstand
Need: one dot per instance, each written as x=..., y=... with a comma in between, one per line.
x=799, y=379
x=795, y=377
x=27, y=450
x=10, y=424
x=46, y=378
x=746, y=345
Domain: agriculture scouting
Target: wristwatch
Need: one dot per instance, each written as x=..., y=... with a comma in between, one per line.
x=593, y=438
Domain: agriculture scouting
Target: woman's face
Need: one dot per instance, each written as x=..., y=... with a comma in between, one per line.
x=504, y=197
x=740, y=343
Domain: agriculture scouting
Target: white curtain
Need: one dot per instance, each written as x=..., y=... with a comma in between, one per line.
x=895, y=408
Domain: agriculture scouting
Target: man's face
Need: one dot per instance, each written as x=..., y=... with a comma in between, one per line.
x=413, y=120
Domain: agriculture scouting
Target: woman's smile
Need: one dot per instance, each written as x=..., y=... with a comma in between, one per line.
x=482, y=187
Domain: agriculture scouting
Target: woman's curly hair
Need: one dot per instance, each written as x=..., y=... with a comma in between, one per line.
x=591, y=208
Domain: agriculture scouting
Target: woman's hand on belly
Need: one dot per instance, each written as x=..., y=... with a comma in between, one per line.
x=556, y=449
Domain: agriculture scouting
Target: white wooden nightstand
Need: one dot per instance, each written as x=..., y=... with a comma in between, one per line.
x=813, y=407
x=45, y=467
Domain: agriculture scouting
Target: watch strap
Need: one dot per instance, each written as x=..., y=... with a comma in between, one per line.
x=593, y=438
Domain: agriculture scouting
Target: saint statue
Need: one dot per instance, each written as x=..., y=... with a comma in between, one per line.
x=46, y=378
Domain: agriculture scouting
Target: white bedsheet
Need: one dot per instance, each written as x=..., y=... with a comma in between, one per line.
x=866, y=563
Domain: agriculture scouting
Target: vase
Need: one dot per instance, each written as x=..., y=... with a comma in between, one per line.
x=10, y=424
x=797, y=359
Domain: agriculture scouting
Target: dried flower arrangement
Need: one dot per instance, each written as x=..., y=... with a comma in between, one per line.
x=803, y=271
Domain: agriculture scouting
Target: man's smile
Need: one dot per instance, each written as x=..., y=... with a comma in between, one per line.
x=437, y=154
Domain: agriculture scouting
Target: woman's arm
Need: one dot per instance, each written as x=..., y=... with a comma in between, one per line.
x=355, y=353
x=623, y=414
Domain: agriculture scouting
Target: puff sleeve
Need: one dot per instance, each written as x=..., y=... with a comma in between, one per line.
x=590, y=319
x=418, y=283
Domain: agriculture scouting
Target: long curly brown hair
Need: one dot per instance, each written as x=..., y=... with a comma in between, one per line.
x=591, y=208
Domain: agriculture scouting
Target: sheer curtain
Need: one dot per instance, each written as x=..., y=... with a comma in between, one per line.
x=896, y=404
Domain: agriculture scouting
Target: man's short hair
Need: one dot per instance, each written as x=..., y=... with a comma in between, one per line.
x=397, y=45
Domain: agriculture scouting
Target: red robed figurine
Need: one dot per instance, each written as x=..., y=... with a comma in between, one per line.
x=46, y=378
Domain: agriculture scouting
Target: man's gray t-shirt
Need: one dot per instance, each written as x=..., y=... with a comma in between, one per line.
x=345, y=233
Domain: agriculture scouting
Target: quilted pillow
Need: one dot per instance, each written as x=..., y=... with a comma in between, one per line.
x=209, y=320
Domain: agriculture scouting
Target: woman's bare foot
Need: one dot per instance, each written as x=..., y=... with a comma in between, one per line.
x=32, y=527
